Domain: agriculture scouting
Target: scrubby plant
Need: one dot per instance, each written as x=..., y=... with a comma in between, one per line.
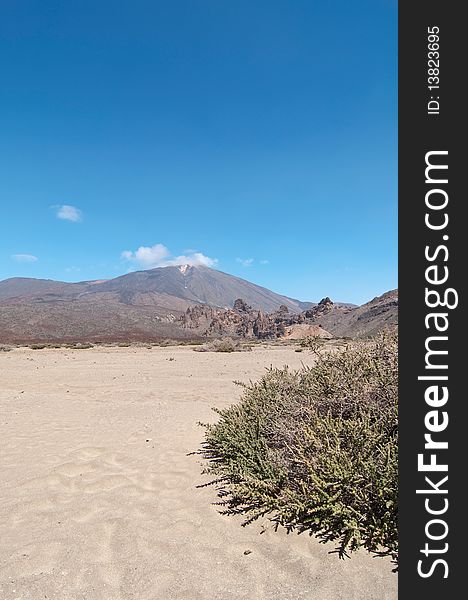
x=79, y=346
x=223, y=345
x=316, y=449
x=164, y=343
x=312, y=342
x=183, y=342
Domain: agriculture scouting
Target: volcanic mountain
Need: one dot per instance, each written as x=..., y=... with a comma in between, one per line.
x=149, y=305
x=200, y=285
x=139, y=305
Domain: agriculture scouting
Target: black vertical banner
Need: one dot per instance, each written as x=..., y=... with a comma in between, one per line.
x=433, y=261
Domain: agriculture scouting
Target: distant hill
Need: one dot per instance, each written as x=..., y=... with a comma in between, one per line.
x=365, y=320
x=22, y=287
x=146, y=305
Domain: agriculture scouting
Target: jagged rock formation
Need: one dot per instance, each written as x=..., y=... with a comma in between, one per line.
x=243, y=321
x=242, y=306
x=326, y=319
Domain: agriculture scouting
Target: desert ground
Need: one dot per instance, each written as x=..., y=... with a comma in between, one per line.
x=99, y=496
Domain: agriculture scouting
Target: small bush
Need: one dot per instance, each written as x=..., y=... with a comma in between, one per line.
x=316, y=449
x=223, y=345
x=182, y=342
x=313, y=342
x=38, y=346
x=79, y=346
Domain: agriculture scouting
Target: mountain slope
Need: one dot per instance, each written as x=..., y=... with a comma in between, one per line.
x=83, y=320
x=197, y=284
x=21, y=287
x=187, y=283
x=365, y=320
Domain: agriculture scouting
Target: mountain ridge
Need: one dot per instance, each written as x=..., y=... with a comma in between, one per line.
x=205, y=286
x=142, y=305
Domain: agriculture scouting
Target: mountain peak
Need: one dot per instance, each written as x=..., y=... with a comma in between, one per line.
x=183, y=269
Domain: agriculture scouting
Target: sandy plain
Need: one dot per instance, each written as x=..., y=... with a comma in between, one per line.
x=99, y=496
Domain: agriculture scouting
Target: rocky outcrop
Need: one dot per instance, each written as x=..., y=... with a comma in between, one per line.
x=242, y=306
x=323, y=307
x=198, y=317
x=242, y=321
x=326, y=319
x=266, y=327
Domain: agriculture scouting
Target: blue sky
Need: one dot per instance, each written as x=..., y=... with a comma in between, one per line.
x=257, y=137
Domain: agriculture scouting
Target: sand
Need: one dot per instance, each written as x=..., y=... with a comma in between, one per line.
x=99, y=500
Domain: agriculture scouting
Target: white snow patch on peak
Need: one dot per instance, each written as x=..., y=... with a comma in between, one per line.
x=183, y=269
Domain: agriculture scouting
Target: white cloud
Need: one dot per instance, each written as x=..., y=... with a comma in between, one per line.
x=149, y=257
x=66, y=212
x=25, y=258
x=194, y=259
x=264, y=262
x=245, y=262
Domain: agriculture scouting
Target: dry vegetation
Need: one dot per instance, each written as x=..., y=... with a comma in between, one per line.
x=316, y=449
x=226, y=344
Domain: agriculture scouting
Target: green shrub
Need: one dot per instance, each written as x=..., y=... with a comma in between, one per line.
x=316, y=449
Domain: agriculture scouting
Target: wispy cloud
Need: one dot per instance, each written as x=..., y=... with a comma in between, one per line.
x=245, y=262
x=264, y=261
x=24, y=258
x=67, y=212
x=149, y=257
